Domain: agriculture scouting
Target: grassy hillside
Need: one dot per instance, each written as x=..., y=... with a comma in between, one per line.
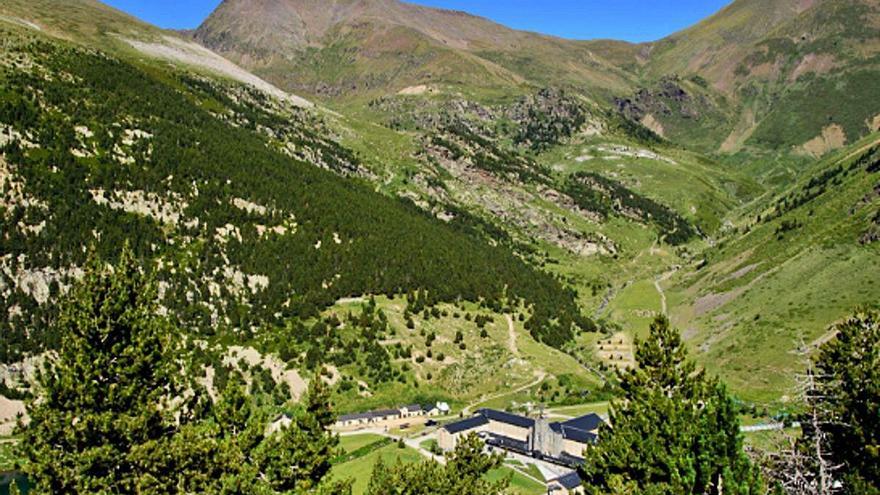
x=763, y=297
x=223, y=188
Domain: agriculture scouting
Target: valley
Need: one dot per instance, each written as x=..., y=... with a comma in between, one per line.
x=414, y=205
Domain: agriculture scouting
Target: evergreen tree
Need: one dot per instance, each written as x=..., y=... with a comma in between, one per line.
x=116, y=413
x=848, y=372
x=105, y=402
x=675, y=430
x=297, y=459
x=464, y=472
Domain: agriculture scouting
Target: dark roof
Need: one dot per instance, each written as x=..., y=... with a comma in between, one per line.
x=355, y=417
x=589, y=422
x=466, y=424
x=413, y=407
x=508, y=443
x=504, y=417
x=570, y=460
x=579, y=429
x=385, y=412
x=570, y=481
x=574, y=434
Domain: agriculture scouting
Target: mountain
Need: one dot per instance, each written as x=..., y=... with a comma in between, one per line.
x=761, y=77
x=453, y=199
x=355, y=47
x=735, y=110
x=263, y=232
x=788, y=76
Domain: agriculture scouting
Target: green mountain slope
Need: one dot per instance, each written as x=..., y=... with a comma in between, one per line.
x=222, y=190
x=788, y=76
x=762, y=298
x=474, y=200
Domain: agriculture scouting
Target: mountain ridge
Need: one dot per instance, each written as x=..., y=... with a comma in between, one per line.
x=603, y=198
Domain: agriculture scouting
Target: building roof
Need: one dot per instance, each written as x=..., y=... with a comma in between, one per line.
x=589, y=422
x=570, y=460
x=385, y=412
x=574, y=434
x=508, y=443
x=413, y=407
x=579, y=429
x=466, y=424
x=504, y=417
x=354, y=417
x=570, y=481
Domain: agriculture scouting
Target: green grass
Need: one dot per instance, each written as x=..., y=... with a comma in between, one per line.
x=534, y=472
x=771, y=441
x=749, y=328
x=429, y=445
x=636, y=306
x=600, y=408
x=359, y=470
x=519, y=484
x=350, y=443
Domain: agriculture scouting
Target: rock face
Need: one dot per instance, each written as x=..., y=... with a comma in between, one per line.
x=668, y=98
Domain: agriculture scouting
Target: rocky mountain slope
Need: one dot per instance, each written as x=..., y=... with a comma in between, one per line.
x=243, y=205
x=782, y=76
x=464, y=200
x=355, y=47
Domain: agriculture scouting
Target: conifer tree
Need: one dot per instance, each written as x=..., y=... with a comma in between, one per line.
x=848, y=402
x=105, y=401
x=297, y=459
x=117, y=414
x=463, y=473
x=674, y=431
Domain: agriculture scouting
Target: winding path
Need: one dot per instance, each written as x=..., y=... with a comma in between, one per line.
x=662, y=278
x=539, y=377
x=662, y=296
x=511, y=333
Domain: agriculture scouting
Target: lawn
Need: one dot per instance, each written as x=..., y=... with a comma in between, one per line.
x=350, y=443
x=359, y=470
x=429, y=445
x=519, y=484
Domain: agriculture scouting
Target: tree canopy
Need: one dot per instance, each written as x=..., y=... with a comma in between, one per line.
x=463, y=472
x=674, y=430
x=848, y=372
x=117, y=413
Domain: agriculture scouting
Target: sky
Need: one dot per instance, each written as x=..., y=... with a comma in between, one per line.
x=630, y=20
